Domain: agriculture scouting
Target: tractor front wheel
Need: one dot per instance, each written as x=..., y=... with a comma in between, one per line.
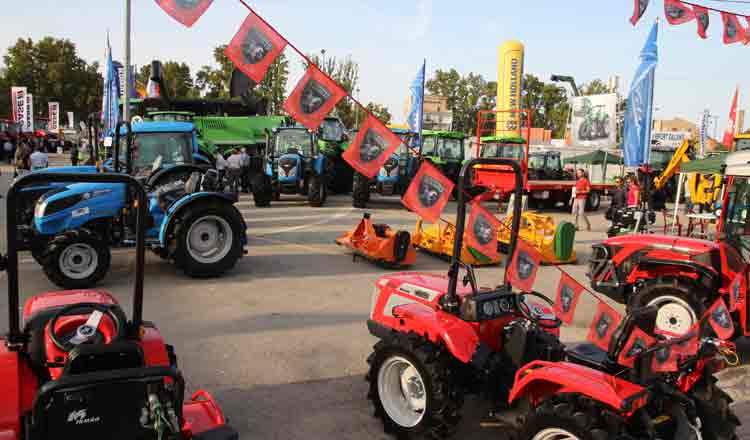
x=76, y=259
x=208, y=240
x=360, y=191
x=262, y=191
x=413, y=387
x=317, y=191
x=718, y=421
x=572, y=417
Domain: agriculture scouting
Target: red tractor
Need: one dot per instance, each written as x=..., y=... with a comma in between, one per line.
x=441, y=339
x=79, y=369
x=682, y=276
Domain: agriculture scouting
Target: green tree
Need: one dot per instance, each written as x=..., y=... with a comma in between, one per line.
x=547, y=103
x=273, y=86
x=346, y=73
x=378, y=110
x=52, y=71
x=177, y=79
x=465, y=95
x=213, y=82
x=595, y=87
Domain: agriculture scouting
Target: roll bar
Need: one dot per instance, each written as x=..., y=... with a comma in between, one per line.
x=128, y=143
x=451, y=297
x=14, y=334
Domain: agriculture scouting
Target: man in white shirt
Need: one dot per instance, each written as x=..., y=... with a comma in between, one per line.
x=39, y=159
x=234, y=164
x=8, y=149
x=245, y=179
x=221, y=166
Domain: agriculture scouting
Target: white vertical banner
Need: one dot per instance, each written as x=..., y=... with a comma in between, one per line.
x=704, y=132
x=71, y=120
x=18, y=101
x=54, y=117
x=29, y=126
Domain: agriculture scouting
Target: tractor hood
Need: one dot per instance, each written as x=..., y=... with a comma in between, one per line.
x=68, y=169
x=690, y=246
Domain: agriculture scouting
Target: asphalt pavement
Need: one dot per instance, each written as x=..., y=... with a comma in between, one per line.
x=281, y=340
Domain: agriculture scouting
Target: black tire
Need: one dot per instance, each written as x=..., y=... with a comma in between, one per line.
x=663, y=288
x=593, y=201
x=50, y=259
x=360, y=191
x=262, y=191
x=576, y=415
x=435, y=365
x=718, y=421
x=317, y=191
x=182, y=257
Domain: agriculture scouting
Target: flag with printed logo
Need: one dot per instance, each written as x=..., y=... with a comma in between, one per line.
x=313, y=98
x=255, y=47
x=186, y=12
x=428, y=193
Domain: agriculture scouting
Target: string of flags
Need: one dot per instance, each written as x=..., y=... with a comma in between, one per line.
x=679, y=12
x=256, y=45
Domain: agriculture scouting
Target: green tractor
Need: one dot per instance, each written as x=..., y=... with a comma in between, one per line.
x=445, y=149
x=333, y=140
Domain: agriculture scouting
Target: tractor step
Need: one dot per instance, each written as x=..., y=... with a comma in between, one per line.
x=512, y=418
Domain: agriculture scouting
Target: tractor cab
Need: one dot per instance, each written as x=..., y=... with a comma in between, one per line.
x=332, y=140
x=735, y=214
x=77, y=367
x=445, y=149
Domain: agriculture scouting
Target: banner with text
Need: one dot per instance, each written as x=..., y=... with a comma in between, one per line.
x=54, y=116
x=668, y=139
x=71, y=120
x=18, y=99
x=29, y=125
x=593, y=121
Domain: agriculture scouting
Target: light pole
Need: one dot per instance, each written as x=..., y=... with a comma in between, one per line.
x=323, y=62
x=126, y=88
x=356, y=108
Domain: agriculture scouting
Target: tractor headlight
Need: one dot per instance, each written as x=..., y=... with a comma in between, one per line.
x=383, y=172
x=291, y=172
x=41, y=206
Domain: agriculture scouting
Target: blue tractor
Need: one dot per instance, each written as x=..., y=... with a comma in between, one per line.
x=190, y=221
x=394, y=176
x=293, y=165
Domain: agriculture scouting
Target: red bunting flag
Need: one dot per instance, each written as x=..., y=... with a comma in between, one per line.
x=524, y=266
x=720, y=320
x=669, y=356
x=606, y=320
x=186, y=12
x=481, y=231
x=638, y=342
x=428, y=193
x=568, y=292
x=733, y=31
x=737, y=292
x=313, y=98
x=639, y=9
x=255, y=46
x=728, y=138
x=702, y=18
x=372, y=147
x=678, y=12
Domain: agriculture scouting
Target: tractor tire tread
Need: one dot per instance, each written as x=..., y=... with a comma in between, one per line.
x=578, y=415
x=50, y=255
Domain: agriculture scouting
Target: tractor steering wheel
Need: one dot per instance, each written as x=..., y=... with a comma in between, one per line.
x=535, y=313
x=89, y=331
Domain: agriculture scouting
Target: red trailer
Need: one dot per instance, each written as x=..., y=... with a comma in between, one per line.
x=505, y=134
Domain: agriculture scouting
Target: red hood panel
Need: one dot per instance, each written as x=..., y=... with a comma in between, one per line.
x=438, y=283
x=691, y=246
x=63, y=298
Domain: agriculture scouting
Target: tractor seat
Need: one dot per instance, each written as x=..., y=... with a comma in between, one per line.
x=589, y=355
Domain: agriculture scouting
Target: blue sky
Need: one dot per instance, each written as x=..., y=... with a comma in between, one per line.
x=585, y=38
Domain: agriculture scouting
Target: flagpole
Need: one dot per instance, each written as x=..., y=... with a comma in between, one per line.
x=126, y=87
x=647, y=158
x=421, y=110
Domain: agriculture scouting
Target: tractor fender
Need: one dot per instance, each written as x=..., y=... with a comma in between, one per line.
x=539, y=380
x=166, y=171
x=458, y=336
x=319, y=164
x=180, y=205
x=19, y=386
x=704, y=275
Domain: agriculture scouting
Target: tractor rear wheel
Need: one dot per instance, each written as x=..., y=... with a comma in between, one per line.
x=414, y=387
x=262, y=191
x=718, y=421
x=76, y=259
x=208, y=239
x=573, y=417
x=317, y=191
x=593, y=201
x=678, y=305
x=360, y=191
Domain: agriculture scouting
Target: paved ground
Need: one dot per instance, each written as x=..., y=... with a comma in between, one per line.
x=281, y=340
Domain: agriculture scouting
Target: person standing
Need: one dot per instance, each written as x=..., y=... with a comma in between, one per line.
x=234, y=164
x=8, y=150
x=74, y=154
x=619, y=195
x=39, y=159
x=221, y=168
x=23, y=152
x=582, y=189
x=245, y=179
x=634, y=192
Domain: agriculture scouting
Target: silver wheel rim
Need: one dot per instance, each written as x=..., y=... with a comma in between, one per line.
x=674, y=314
x=209, y=239
x=554, y=434
x=402, y=391
x=78, y=261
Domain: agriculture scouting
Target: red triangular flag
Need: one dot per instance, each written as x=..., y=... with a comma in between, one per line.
x=702, y=18
x=372, y=147
x=481, y=231
x=668, y=357
x=255, y=46
x=733, y=31
x=313, y=98
x=638, y=342
x=524, y=266
x=606, y=320
x=568, y=293
x=720, y=320
x=186, y=12
x=737, y=292
x=428, y=193
x=639, y=9
x=678, y=12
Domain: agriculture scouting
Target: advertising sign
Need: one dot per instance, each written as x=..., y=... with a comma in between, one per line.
x=668, y=140
x=704, y=131
x=509, y=85
x=54, y=116
x=593, y=121
x=18, y=99
x=71, y=120
x=29, y=125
